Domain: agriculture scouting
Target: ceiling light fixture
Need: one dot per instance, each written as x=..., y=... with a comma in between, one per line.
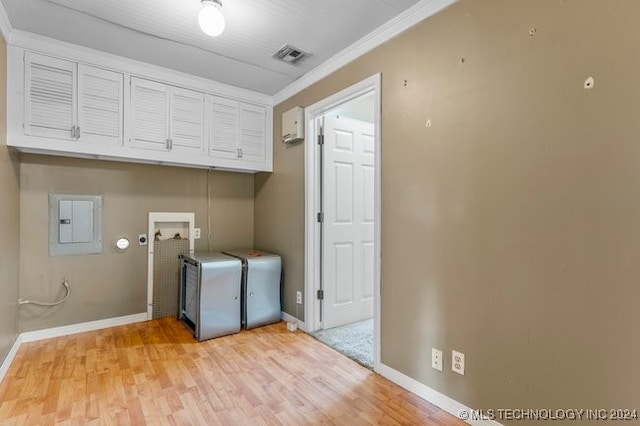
x=210, y=18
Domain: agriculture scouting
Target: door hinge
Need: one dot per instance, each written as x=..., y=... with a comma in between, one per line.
x=321, y=139
x=320, y=294
x=320, y=217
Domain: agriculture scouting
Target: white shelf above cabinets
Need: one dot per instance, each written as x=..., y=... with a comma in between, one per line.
x=76, y=109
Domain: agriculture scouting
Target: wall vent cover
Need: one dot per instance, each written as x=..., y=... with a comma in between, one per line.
x=289, y=54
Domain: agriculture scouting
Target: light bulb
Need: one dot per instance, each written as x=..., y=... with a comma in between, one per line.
x=211, y=19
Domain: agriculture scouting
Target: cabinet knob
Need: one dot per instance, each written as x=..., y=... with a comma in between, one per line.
x=251, y=294
x=235, y=297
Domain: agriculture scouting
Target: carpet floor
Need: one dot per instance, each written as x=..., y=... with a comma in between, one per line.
x=352, y=340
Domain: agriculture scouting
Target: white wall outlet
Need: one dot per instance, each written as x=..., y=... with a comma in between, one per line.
x=196, y=233
x=457, y=362
x=299, y=297
x=436, y=359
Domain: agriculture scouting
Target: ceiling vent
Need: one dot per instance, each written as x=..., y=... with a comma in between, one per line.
x=289, y=54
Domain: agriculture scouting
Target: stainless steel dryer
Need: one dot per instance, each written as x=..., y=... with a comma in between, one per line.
x=261, y=274
x=210, y=294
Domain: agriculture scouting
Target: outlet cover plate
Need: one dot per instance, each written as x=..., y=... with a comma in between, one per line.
x=457, y=362
x=299, y=297
x=196, y=233
x=436, y=359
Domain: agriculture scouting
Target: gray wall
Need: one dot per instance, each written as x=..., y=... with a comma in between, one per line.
x=114, y=284
x=9, y=223
x=510, y=227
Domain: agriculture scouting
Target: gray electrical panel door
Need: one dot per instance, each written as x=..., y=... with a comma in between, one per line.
x=75, y=224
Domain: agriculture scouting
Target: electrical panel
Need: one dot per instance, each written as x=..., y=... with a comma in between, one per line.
x=75, y=224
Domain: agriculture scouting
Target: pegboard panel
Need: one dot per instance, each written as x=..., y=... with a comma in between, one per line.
x=166, y=276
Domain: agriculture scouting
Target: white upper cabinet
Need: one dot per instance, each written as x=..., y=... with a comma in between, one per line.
x=166, y=118
x=50, y=97
x=237, y=131
x=149, y=115
x=73, y=102
x=111, y=109
x=186, y=128
x=253, y=125
x=224, y=122
x=100, y=114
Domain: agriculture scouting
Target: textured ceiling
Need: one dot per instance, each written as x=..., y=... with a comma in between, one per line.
x=166, y=33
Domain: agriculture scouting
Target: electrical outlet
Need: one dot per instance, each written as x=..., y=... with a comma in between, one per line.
x=436, y=359
x=457, y=362
x=299, y=297
x=196, y=233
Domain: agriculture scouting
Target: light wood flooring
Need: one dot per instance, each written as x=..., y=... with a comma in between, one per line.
x=156, y=373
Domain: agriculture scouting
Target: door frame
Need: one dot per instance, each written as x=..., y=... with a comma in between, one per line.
x=312, y=203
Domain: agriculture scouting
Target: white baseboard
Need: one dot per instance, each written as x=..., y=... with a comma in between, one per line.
x=4, y=367
x=290, y=318
x=433, y=396
x=32, y=336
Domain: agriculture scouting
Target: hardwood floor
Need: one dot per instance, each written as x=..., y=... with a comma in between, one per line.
x=156, y=373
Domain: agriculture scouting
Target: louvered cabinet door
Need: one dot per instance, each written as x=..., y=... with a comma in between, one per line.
x=99, y=106
x=149, y=115
x=50, y=100
x=253, y=125
x=224, y=120
x=187, y=121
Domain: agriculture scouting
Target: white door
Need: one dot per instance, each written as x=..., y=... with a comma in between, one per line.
x=348, y=230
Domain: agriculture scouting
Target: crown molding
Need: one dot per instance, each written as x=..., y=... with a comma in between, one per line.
x=5, y=25
x=412, y=16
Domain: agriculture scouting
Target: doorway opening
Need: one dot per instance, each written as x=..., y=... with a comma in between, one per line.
x=342, y=264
